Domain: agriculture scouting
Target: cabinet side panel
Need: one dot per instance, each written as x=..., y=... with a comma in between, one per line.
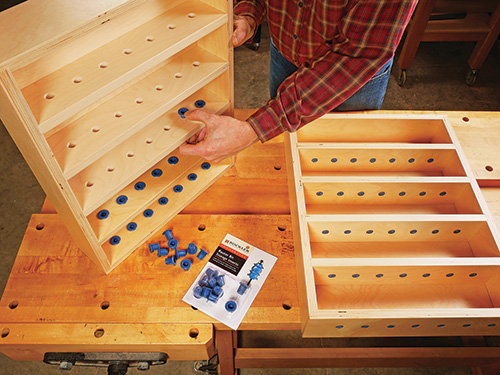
x=23, y=129
x=305, y=293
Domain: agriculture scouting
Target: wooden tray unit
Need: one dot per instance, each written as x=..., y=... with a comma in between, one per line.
x=95, y=113
x=392, y=234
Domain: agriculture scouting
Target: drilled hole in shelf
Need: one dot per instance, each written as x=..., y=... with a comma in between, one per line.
x=40, y=226
x=98, y=333
x=130, y=154
x=5, y=332
x=465, y=119
x=202, y=227
x=103, y=65
x=287, y=305
x=277, y=167
x=192, y=15
x=118, y=114
x=159, y=88
x=71, y=145
x=178, y=75
x=89, y=184
x=150, y=38
x=77, y=79
x=193, y=333
x=96, y=129
x=110, y=169
x=166, y=128
x=196, y=64
x=105, y=305
x=281, y=227
x=13, y=305
x=149, y=141
x=489, y=168
x=172, y=26
x=127, y=51
x=139, y=100
x=49, y=95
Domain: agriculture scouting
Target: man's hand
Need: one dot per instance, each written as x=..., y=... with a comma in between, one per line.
x=243, y=29
x=222, y=136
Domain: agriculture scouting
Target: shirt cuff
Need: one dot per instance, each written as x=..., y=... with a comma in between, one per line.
x=266, y=122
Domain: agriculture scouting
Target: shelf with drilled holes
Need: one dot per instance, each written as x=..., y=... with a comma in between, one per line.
x=433, y=195
x=78, y=143
x=408, y=299
x=392, y=231
x=150, y=201
x=54, y=94
x=107, y=175
x=135, y=197
x=400, y=236
x=379, y=160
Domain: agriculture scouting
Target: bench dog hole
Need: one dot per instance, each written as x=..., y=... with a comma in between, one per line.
x=13, y=305
x=287, y=305
x=202, y=227
x=281, y=227
x=98, y=333
x=193, y=333
x=105, y=305
x=5, y=332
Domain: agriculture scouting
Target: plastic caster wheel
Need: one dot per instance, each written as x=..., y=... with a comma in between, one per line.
x=471, y=77
x=253, y=46
x=402, y=77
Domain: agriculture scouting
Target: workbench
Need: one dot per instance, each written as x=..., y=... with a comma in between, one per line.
x=57, y=300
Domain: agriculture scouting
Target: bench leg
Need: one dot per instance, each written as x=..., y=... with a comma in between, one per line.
x=226, y=342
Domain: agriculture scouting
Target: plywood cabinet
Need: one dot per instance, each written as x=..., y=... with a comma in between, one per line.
x=98, y=113
x=392, y=235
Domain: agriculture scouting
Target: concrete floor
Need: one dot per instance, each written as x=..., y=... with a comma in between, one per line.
x=435, y=82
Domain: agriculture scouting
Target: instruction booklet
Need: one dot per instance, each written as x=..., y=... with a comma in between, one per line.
x=230, y=281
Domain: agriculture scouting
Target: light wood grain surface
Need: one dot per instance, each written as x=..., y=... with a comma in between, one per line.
x=52, y=281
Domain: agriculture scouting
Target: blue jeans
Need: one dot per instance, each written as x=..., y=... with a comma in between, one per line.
x=370, y=96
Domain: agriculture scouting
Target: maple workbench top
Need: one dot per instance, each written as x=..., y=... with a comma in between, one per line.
x=53, y=284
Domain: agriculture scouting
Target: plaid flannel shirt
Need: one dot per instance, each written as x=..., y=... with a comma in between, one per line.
x=338, y=46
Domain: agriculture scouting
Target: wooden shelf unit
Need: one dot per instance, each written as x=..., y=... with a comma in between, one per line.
x=95, y=113
x=392, y=234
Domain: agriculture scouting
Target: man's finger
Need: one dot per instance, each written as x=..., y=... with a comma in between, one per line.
x=198, y=115
x=187, y=149
x=238, y=37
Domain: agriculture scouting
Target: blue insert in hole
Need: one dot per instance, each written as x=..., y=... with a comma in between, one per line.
x=122, y=199
x=115, y=240
x=140, y=186
x=103, y=214
x=182, y=111
x=156, y=172
x=173, y=160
